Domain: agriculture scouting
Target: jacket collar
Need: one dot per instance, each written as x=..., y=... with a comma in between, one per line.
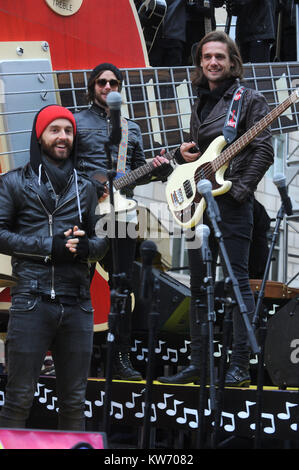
x=98, y=110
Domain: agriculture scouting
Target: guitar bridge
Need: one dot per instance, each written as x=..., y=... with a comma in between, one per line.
x=177, y=197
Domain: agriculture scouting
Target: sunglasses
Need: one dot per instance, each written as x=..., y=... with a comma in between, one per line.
x=102, y=82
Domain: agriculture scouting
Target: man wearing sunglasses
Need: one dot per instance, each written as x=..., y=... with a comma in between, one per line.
x=92, y=133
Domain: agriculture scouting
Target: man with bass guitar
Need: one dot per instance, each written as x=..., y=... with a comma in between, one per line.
x=218, y=72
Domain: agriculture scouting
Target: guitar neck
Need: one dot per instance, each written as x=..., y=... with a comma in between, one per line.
x=255, y=130
x=132, y=176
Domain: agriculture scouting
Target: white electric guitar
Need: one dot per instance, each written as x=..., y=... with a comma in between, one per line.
x=185, y=203
x=121, y=203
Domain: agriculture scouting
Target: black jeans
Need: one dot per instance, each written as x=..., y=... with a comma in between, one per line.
x=35, y=327
x=236, y=229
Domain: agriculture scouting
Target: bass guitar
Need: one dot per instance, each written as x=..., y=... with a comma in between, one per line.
x=121, y=203
x=185, y=203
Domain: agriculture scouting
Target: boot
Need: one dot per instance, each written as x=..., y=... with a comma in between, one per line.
x=123, y=368
x=237, y=376
x=185, y=376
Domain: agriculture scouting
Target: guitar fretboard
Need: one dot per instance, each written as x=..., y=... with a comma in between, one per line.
x=255, y=130
x=132, y=176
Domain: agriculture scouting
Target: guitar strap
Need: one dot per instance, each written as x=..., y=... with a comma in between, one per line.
x=122, y=149
x=232, y=119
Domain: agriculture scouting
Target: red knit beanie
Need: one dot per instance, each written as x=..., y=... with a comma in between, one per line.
x=49, y=114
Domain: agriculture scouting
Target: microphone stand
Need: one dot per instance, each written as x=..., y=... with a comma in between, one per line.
x=118, y=295
x=152, y=335
x=235, y=285
x=260, y=318
x=229, y=304
x=207, y=335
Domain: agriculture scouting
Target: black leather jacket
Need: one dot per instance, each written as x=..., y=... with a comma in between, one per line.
x=255, y=20
x=27, y=228
x=248, y=167
x=92, y=133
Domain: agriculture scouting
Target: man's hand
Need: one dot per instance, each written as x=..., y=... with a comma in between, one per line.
x=72, y=243
x=186, y=154
x=104, y=195
x=159, y=159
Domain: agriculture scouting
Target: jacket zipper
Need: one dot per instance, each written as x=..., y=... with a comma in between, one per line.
x=50, y=219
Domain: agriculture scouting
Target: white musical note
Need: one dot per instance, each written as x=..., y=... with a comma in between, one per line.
x=163, y=405
x=117, y=406
x=140, y=414
x=228, y=427
x=208, y=411
x=286, y=415
x=136, y=342
x=44, y=398
x=169, y=352
x=245, y=414
x=52, y=406
x=132, y=404
x=100, y=402
x=141, y=356
x=267, y=429
x=185, y=348
x=159, y=348
x=38, y=389
x=173, y=411
x=88, y=413
x=219, y=347
x=189, y=412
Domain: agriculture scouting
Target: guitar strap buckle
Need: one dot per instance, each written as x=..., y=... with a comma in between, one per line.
x=232, y=119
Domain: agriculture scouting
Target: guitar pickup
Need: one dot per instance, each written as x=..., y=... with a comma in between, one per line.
x=188, y=188
x=177, y=197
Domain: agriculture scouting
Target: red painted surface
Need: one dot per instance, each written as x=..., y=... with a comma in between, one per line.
x=100, y=295
x=5, y=295
x=101, y=31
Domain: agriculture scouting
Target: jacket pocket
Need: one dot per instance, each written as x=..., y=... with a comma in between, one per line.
x=23, y=302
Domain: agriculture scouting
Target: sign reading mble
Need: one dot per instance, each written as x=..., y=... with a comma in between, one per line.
x=65, y=7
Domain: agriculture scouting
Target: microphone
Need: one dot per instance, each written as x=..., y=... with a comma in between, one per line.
x=204, y=187
x=203, y=233
x=280, y=181
x=114, y=103
x=148, y=250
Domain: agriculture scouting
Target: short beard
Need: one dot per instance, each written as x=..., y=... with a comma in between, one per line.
x=48, y=151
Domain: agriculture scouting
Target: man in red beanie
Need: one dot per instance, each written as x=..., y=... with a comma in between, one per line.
x=93, y=130
x=47, y=221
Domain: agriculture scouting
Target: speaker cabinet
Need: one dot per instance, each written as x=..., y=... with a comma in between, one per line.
x=282, y=346
x=173, y=303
